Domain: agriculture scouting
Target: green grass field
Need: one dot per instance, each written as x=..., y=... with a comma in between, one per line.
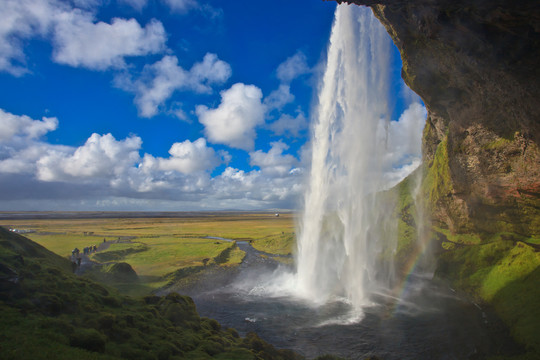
x=158, y=247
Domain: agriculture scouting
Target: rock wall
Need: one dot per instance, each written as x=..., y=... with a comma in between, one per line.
x=475, y=64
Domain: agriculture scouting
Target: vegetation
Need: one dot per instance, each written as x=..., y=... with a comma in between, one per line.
x=162, y=250
x=504, y=274
x=279, y=244
x=437, y=182
x=48, y=312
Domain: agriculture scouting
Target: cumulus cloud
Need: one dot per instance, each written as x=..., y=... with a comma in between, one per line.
x=253, y=189
x=160, y=80
x=234, y=121
x=289, y=125
x=78, y=40
x=279, y=98
x=403, y=139
x=180, y=6
x=23, y=126
x=21, y=20
x=186, y=157
x=102, y=156
x=293, y=67
x=136, y=4
x=274, y=162
x=106, y=172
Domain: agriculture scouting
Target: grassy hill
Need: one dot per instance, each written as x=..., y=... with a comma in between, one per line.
x=48, y=312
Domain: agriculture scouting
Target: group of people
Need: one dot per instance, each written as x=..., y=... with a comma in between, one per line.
x=76, y=258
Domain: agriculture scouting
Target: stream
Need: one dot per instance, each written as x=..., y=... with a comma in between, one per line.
x=429, y=321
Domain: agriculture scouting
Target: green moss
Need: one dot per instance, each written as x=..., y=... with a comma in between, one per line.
x=437, y=182
x=462, y=239
x=505, y=274
x=520, y=261
x=497, y=144
x=517, y=304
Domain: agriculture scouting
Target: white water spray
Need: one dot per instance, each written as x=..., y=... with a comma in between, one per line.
x=337, y=244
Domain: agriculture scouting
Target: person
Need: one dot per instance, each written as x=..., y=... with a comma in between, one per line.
x=79, y=261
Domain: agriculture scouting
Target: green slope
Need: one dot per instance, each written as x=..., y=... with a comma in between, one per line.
x=48, y=312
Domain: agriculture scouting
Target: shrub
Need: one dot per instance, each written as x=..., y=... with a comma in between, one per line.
x=88, y=339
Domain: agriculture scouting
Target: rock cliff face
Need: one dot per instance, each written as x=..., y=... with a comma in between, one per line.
x=476, y=66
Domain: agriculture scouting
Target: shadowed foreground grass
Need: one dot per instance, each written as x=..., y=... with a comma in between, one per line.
x=49, y=313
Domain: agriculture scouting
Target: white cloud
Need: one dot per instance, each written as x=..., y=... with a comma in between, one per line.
x=136, y=4
x=404, y=143
x=234, y=121
x=274, y=162
x=405, y=135
x=293, y=67
x=21, y=20
x=23, y=126
x=279, y=98
x=288, y=124
x=78, y=41
x=210, y=71
x=186, y=157
x=109, y=173
x=102, y=156
x=180, y=6
x=160, y=80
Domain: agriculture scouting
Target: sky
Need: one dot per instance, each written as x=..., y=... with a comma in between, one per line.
x=166, y=105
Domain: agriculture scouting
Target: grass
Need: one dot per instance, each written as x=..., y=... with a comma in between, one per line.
x=280, y=244
x=504, y=274
x=48, y=312
x=158, y=247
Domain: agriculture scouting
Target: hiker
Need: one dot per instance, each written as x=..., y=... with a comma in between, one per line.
x=79, y=261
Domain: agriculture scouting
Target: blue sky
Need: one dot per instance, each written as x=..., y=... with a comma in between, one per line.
x=160, y=104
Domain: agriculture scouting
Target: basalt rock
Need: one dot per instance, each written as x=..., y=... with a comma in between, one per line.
x=475, y=65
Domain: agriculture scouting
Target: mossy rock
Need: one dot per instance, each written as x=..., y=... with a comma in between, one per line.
x=121, y=272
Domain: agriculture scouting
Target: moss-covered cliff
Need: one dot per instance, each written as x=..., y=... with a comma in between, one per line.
x=475, y=65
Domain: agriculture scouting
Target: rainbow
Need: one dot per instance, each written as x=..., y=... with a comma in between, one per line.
x=400, y=290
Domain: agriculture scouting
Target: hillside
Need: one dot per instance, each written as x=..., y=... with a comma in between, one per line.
x=48, y=312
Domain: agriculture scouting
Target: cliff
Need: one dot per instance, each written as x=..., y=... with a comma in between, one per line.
x=475, y=64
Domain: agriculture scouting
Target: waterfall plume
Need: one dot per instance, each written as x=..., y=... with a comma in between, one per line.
x=338, y=240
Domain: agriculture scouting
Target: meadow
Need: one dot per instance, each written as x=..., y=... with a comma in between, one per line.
x=161, y=248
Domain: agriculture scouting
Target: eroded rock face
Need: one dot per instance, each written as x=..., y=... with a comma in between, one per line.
x=476, y=66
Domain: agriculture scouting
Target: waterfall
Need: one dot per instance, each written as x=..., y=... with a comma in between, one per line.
x=338, y=236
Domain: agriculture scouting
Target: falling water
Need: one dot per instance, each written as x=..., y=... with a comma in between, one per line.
x=337, y=245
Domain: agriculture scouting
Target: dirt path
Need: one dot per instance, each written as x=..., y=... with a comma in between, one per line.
x=86, y=262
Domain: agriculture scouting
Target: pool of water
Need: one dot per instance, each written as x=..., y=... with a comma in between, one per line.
x=428, y=321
